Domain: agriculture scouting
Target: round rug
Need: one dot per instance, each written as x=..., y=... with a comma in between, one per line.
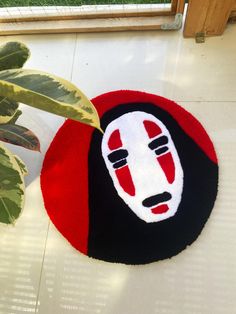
x=138, y=193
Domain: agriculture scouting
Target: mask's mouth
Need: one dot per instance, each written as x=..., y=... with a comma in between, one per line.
x=156, y=199
x=161, y=209
x=156, y=202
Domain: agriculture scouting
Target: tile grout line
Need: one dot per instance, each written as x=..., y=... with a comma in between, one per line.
x=45, y=246
x=41, y=271
x=73, y=59
x=174, y=74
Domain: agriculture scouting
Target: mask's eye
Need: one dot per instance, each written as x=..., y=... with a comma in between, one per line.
x=161, y=150
x=118, y=158
x=159, y=145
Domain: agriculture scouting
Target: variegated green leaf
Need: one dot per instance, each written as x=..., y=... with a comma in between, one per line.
x=49, y=93
x=15, y=117
x=8, y=109
x=21, y=165
x=19, y=135
x=13, y=55
x=11, y=187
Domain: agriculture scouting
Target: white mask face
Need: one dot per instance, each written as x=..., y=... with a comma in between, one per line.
x=144, y=165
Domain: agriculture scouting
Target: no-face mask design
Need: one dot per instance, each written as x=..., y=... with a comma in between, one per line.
x=144, y=165
x=138, y=193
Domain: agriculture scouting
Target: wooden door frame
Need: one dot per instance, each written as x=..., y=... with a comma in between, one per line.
x=208, y=17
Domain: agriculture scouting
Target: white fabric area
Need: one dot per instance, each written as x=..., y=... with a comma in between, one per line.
x=147, y=174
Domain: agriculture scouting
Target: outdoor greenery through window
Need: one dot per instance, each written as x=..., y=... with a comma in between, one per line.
x=19, y=3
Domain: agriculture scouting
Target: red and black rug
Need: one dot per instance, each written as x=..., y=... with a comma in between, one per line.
x=141, y=192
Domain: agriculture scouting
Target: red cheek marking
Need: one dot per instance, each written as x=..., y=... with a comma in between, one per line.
x=125, y=180
x=167, y=164
x=114, y=141
x=152, y=128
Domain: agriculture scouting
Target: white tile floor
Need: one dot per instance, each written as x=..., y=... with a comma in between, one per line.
x=39, y=271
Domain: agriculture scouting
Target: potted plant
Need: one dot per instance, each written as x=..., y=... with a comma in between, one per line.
x=39, y=90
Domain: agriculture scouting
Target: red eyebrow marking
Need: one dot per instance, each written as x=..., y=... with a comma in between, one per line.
x=152, y=128
x=114, y=141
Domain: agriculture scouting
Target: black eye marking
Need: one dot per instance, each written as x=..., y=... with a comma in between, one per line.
x=161, y=150
x=120, y=164
x=163, y=140
x=117, y=155
x=118, y=158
